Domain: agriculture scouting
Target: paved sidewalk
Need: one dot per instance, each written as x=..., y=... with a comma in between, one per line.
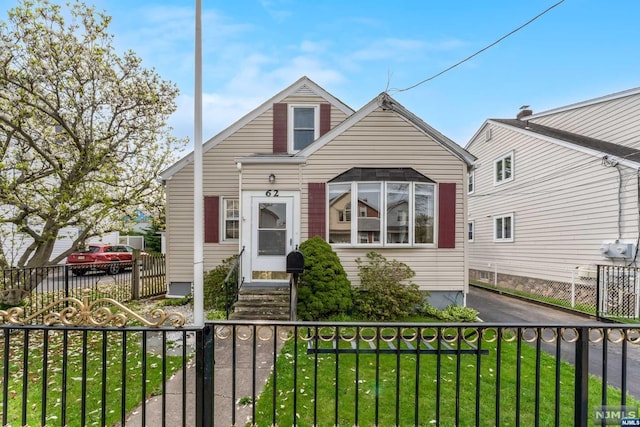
x=224, y=409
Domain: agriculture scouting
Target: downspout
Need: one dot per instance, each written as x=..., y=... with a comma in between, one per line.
x=635, y=255
x=240, y=207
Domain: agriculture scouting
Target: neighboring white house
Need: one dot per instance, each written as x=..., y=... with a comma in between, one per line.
x=555, y=193
x=294, y=167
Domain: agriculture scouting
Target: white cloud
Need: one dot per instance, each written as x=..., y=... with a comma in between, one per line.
x=402, y=49
x=276, y=10
x=314, y=47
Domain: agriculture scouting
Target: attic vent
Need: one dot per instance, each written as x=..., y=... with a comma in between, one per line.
x=305, y=90
x=487, y=135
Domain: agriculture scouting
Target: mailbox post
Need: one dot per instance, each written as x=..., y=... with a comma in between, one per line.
x=295, y=266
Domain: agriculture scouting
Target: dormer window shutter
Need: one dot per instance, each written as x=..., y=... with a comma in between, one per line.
x=325, y=118
x=447, y=215
x=280, y=127
x=211, y=219
x=317, y=209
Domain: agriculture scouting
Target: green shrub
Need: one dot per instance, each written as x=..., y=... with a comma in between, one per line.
x=452, y=313
x=214, y=291
x=324, y=289
x=386, y=291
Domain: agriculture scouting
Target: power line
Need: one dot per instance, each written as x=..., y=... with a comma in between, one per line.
x=480, y=51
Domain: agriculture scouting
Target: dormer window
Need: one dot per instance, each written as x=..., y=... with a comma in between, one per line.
x=303, y=130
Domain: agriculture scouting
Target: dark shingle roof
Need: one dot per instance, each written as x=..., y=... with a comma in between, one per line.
x=381, y=174
x=616, y=150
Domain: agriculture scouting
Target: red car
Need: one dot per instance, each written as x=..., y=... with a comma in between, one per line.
x=99, y=256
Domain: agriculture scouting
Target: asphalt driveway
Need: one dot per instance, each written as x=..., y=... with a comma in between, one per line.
x=494, y=307
x=500, y=308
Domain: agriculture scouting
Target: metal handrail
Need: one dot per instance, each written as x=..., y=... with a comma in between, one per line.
x=233, y=282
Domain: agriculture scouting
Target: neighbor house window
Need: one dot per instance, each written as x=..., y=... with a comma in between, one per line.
x=340, y=213
x=503, y=228
x=389, y=213
x=503, y=169
x=304, y=126
x=470, y=182
x=470, y=230
x=231, y=219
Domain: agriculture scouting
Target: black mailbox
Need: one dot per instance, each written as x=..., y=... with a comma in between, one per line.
x=295, y=262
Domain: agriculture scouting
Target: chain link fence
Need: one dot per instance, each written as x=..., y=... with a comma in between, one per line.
x=574, y=288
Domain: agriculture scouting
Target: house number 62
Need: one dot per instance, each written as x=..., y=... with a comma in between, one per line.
x=271, y=193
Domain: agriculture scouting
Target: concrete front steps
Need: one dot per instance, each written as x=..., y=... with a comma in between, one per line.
x=257, y=302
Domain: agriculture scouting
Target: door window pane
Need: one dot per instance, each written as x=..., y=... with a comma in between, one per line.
x=272, y=229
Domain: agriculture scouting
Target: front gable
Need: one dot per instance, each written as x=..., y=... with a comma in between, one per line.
x=254, y=133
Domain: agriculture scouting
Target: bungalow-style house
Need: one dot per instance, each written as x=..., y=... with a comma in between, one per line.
x=304, y=164
x=554, y=194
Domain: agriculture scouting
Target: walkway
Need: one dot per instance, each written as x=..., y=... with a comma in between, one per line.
x=223, y=385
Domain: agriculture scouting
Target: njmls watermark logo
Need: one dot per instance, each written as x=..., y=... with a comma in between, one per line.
x=615, y=415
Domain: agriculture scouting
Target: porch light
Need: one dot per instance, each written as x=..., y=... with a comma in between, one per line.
x=272, y=179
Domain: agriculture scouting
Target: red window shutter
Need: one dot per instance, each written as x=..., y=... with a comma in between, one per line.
x=211, y=219
x=325, y=118
x=317, y=206
x=447, y=215
x=279, y=128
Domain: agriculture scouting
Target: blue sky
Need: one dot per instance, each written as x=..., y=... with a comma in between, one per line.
x=355, y=49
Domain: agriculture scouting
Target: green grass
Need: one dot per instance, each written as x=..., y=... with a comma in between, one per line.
x=71, y=391
x=357, y=377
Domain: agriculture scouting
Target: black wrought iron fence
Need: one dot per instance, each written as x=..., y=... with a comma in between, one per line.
x=294, y=373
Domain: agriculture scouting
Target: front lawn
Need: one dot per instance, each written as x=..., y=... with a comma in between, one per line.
x=103, y=370
x=431, y=388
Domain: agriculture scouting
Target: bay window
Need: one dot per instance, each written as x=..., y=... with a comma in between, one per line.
x=388, y=213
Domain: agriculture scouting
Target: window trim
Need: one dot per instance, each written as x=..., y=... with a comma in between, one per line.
x=223, y=219
x=382, y=242
x=495, y=168
x=471, y=230
x=495, y=219
x=291, y=120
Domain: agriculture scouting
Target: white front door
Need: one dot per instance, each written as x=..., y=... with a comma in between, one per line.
x=270, y=235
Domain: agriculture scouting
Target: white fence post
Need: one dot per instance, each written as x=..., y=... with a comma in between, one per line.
x=573, y=288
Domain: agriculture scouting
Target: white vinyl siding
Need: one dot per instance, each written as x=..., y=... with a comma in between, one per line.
x=566, y=204
x=612, y=121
